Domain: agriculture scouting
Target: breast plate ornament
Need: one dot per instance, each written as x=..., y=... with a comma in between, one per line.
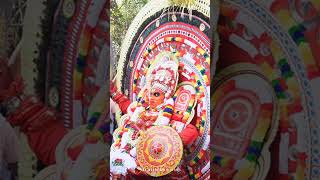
x=159, y=150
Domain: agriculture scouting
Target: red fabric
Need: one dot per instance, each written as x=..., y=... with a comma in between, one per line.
x=15, y=88
x=189, y=134
x=123, y=102
x=45, y=140
x=310, y=34
x=119, y=98
x=227, y=58
x=74, y=152
x=177, y=117
x=278, y=5
x=43, y=130
x=274, y=169
x=22, y=114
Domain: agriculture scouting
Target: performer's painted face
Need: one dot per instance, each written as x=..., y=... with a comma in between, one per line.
x=156, y=98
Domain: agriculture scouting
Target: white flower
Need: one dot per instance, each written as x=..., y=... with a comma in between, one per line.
x=121, y=162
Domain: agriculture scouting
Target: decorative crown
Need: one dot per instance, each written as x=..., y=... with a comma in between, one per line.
x=165, y=76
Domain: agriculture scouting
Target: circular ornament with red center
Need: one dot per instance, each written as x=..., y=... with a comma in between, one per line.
x=159, y=151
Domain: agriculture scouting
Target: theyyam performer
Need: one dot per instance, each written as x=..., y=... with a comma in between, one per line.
x=162, y=93
x=154, y=107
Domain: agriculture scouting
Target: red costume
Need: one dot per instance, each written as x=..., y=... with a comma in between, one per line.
x=188, y=135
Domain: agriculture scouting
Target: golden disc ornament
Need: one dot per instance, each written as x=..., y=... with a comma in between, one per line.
x=159, y=151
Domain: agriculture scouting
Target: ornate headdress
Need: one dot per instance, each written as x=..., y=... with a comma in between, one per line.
x=163, y=74
x=164, y=77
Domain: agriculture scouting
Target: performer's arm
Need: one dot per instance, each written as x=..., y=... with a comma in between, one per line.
x=42, y=128
x=189, y=134
x=119, y=98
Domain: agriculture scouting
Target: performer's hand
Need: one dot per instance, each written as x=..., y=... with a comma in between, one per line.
x=189, y=134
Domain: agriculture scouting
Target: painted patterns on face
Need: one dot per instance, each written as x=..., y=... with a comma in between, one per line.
x=156, y=98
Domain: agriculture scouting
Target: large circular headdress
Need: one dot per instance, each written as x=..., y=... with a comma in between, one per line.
x=158, y=27
x=183, y=29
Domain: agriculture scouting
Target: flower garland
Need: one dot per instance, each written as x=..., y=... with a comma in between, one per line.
x=297, y=32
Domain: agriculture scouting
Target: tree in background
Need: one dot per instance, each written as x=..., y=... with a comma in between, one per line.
x=122, y=14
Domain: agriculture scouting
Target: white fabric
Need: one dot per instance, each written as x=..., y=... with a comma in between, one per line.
x=88, y=159
x=206, y=142
x=162, y=121
x=136, y=114
x=243, y=44
x=170, y=102
x=127, y=139
x=133, y=152
x=179, y=125
x=206, y=168
x=128, y=162
x=133, y=105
